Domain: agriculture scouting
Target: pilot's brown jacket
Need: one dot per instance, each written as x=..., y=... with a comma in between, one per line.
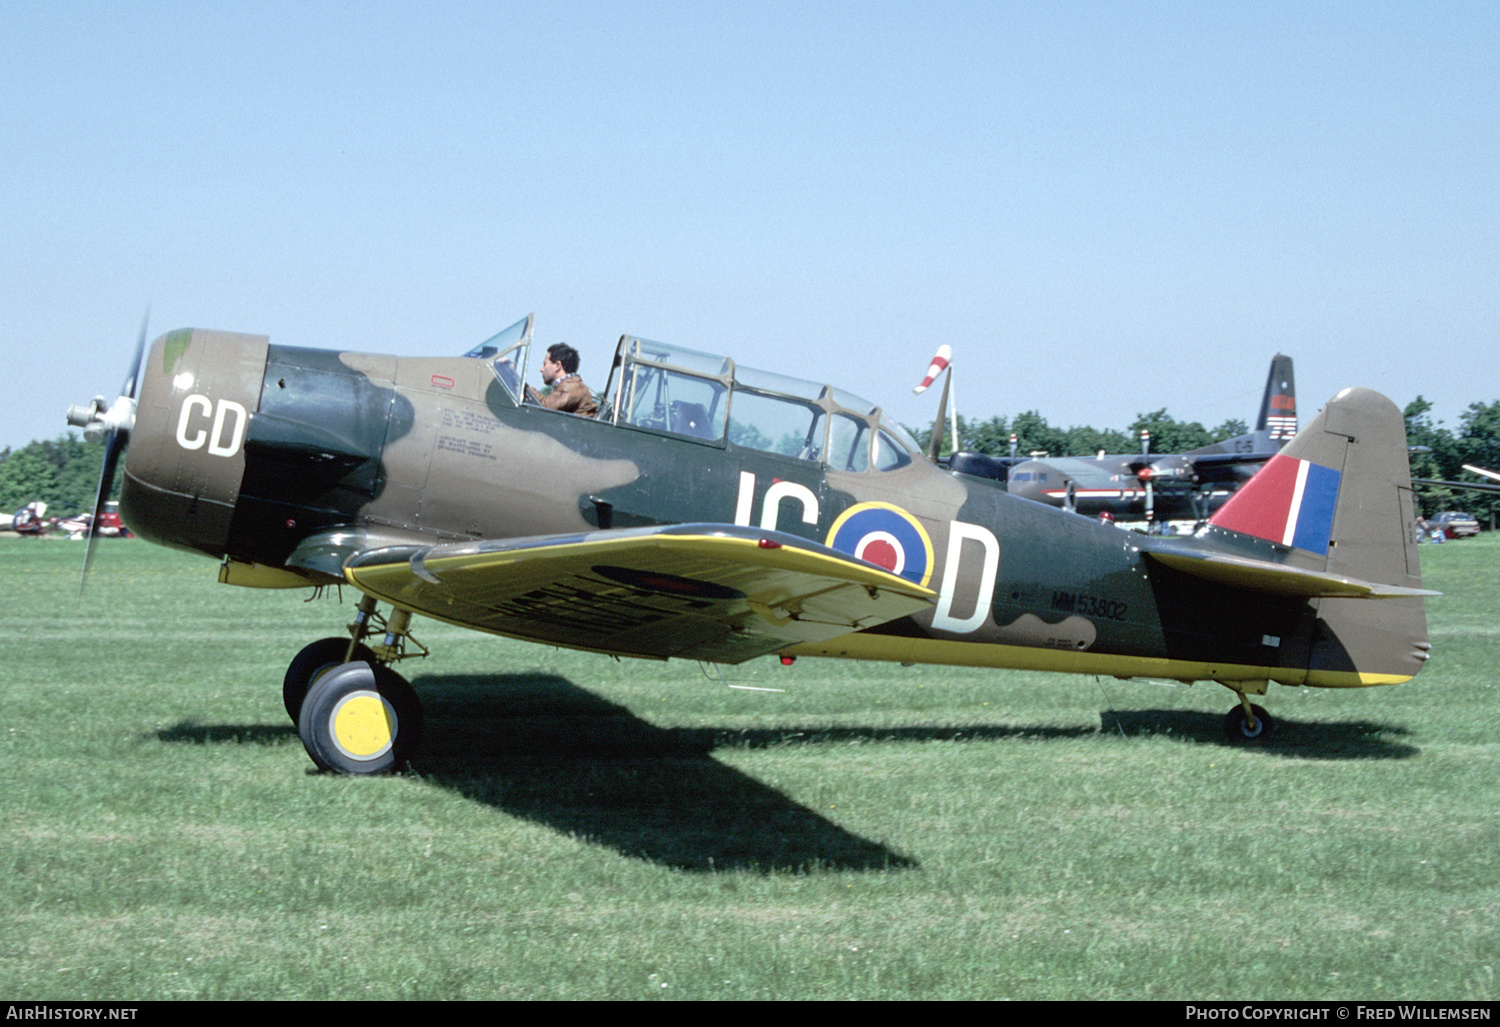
x=571, y=396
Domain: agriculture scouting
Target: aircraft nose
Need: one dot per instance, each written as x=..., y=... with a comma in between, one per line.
x=186, y=459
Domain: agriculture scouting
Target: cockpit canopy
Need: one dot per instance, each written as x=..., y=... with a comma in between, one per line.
x=506, y=352
x=671, y=390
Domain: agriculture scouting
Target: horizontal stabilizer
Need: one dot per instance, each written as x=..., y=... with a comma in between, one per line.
x=1276, y=578
x=714, y=592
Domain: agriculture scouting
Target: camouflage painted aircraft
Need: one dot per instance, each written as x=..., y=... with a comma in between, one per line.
x=716, y=513
x=1161, y=487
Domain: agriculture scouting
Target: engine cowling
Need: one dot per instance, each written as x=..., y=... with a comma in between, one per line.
x=186, y=461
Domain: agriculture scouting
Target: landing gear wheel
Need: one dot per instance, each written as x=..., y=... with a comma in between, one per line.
x=315, y=659
x=1237, y=725
x=360, y=718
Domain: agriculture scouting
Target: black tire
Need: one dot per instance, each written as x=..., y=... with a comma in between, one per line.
x=360, y=718
x=315, y=659
x=1238, y=729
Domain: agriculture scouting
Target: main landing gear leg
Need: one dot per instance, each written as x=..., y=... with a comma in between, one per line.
x=1248, y=722
x=353, y=713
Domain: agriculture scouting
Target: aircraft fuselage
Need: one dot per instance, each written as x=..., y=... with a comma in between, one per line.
x=286, y=461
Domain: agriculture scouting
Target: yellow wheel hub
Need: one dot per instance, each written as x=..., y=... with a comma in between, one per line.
x=363, y=725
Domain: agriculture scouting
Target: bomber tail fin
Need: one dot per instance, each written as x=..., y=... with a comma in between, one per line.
x=1278, y=406
x=1222, y=461
x=1337, y=503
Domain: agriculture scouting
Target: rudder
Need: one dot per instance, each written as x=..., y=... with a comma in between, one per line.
x=1278, y=405
x=1338, y=499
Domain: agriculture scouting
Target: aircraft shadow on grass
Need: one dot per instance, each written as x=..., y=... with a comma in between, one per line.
x=194, y=733
x=539, y=747
x=1319, y=740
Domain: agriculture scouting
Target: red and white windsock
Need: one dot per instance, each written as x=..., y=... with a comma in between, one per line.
x=939, y=364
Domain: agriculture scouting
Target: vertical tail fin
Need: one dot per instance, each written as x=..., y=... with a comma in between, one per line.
x=1276, y=424
x=1338, y=500
x=1278, y=406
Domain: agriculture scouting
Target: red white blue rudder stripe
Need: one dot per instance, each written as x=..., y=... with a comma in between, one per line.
x=1289, y=501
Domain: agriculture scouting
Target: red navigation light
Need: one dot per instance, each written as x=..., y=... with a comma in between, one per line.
x=766, y=543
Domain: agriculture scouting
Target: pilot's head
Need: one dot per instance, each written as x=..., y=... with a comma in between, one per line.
x=561, y=359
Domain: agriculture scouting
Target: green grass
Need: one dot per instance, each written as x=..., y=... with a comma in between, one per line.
x=581, y=828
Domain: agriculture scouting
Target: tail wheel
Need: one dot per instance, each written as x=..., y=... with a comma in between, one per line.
x=1239, y=728
x=360, y=718
x=311, y=663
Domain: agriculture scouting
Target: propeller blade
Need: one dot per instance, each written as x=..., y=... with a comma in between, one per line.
x=133, y=378
x=113, y=446
x=118, y=420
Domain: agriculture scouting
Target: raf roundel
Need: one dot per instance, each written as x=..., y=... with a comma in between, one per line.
x=886, y=536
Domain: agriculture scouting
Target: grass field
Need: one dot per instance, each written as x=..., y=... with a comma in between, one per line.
x=581, y=828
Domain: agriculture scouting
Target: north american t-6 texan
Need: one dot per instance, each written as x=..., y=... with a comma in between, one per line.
x=716, y=513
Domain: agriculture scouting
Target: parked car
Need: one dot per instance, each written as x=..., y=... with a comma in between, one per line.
x=1455, y=524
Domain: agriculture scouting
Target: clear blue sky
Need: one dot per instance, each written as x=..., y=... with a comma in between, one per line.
x=1104, y=208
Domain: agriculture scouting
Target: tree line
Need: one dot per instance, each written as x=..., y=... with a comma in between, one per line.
x=64, y=472
x=1035, y=435
x=1441, y=453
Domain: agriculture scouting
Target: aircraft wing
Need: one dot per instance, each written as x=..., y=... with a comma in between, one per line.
x=1213, y=461
x=1275, y=578
x=714, y=592
x=1220, y=461
x=1476, y=486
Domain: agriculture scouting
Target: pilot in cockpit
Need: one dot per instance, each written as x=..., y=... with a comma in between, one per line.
x=567, y=393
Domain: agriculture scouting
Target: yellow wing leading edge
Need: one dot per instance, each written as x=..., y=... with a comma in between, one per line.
x=711, y=592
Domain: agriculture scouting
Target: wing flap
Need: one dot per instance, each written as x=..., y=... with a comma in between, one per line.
x=712, y=592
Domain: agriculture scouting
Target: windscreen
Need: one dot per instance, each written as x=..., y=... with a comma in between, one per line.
x=506, y=352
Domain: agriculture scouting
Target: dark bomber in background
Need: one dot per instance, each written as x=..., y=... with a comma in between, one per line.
x=1166, y=486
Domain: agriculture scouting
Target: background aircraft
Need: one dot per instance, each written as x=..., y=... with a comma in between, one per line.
x=1164, y=487
x=1476, y=486
x=717, y=513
